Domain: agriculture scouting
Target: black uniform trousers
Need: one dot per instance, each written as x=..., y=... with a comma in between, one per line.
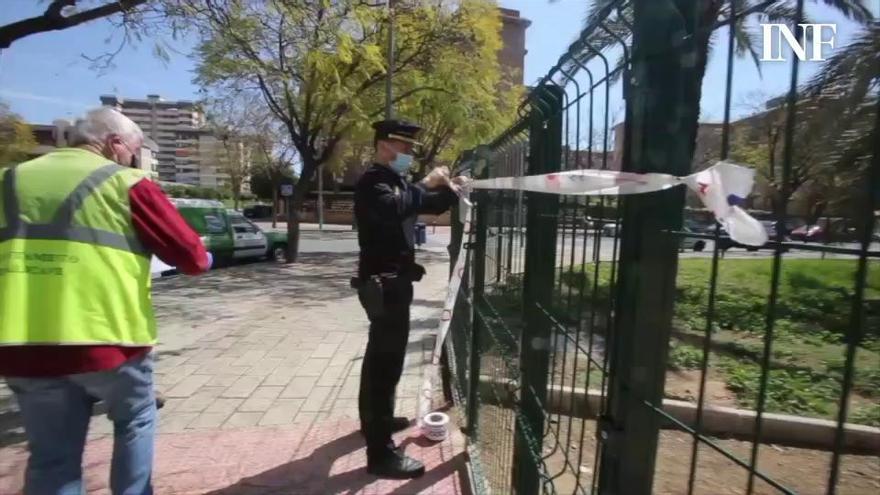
x=383, y=364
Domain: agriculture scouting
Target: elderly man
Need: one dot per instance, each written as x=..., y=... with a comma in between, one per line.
x=77, y=229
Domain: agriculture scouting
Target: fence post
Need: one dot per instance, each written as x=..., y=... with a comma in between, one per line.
x=545, y=153
x=480, y=228
x=661, y=120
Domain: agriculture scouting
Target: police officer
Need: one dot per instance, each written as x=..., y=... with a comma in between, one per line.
x=386, y=209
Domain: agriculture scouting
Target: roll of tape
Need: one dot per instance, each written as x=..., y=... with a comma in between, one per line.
x=435, y=426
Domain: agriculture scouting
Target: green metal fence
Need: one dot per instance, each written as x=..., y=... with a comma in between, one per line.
x=579, y=316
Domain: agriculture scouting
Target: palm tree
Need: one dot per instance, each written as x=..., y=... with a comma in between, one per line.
x=709, y=15
x=845, y=90
x=716, y=13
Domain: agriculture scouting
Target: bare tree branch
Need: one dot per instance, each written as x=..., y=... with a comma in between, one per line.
x=54, y=20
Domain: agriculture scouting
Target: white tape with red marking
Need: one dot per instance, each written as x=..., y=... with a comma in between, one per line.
x=722, y=187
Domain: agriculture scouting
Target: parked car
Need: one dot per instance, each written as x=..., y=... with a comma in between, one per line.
x=688, y=242
x=773, y=228
x=807, y=233
x=258, y=211
x=610, y=229
x=837, y=230
x=725, y=242
x=227, y=234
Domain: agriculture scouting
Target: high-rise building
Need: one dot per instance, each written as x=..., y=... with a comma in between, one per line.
x=186, y=152
x=513, y=46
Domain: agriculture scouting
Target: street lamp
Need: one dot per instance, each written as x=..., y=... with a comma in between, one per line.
x=389, y=111
x=389, y=74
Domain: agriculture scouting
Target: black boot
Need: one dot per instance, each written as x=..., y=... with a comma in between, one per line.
x=393, y=464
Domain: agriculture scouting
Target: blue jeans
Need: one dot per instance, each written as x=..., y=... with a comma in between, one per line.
x=56, y=414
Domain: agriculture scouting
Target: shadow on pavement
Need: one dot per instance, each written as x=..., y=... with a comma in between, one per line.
x=312, y=474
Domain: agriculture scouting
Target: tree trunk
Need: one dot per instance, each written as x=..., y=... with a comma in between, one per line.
x=275, y=204
x=292, y=230
x=779, y=202
x=295, y=203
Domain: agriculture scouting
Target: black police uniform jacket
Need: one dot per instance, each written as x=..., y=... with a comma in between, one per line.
x=386, y=207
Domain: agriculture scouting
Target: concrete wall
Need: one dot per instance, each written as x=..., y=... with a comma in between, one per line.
x=725, y=422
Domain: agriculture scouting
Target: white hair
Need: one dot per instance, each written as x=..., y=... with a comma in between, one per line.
x=102, y=122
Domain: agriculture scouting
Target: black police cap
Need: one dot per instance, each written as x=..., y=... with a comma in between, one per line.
x=399, y=130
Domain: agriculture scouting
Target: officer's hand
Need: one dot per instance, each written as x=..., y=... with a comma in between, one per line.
x=437, y=178
x=459, y=184
x=461, y=181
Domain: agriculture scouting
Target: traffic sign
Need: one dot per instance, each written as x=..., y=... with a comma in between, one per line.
x=287, y=189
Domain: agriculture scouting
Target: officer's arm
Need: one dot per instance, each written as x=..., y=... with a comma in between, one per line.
x=435, y=201
x=390, y=205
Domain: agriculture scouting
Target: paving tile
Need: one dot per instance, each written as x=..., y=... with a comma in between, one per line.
x=220, y=365
x=256, y=404
x=281, y=376
x=188, y=386
x=266, y=392
x=224, y=405
x=306, y=418
x=282, y=412
x=319, y=399
x=243, y=387
x=337, y=337
x=343, y=358
x=250, y=358
x=265, y=367
x=222, y=380
x=313, y=367
x=325, y=350
x=350, y=388
x=176, y=422
x=333, y=375
x=203, y=356
x=209, y=420
x=299, y=387
x=242, y=420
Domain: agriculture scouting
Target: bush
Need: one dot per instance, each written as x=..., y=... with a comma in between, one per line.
x=865, y=415
x=684, y=357
x=795, y=391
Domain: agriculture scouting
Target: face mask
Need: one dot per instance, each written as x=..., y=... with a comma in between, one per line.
x=135, y=161
x=401, y=163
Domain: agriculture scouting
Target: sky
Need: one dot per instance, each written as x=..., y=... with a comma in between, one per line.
x=45, y=76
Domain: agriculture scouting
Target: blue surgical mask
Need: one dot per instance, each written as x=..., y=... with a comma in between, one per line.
x=401, y=163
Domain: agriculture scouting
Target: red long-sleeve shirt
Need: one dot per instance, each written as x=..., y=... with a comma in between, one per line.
x=164, y=233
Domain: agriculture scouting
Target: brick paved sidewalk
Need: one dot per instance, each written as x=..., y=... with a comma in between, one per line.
x=260, y=364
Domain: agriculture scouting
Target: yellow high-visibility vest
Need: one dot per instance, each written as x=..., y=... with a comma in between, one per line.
x=72, y=271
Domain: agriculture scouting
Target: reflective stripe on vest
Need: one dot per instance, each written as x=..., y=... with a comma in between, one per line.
x=61, y=228
x=72, y=271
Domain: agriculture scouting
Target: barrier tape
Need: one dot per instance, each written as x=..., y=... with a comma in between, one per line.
x=722, y=188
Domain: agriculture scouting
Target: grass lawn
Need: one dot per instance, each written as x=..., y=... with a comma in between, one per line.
x=810, y=327
x=812, y=319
